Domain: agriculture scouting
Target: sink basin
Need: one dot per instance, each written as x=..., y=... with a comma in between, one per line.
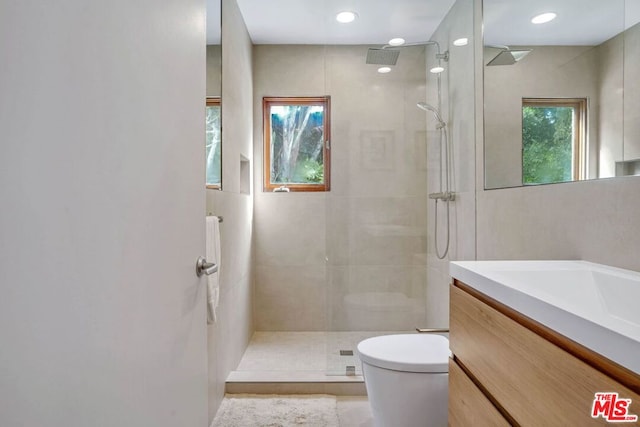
x=620, y=296
x=592, y=304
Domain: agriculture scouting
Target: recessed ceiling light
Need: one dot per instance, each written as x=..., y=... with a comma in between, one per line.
x=398, y=41
x=436, y=70
x=384, y=70
x=346, y=17
x=461, y=42
x=543, y=18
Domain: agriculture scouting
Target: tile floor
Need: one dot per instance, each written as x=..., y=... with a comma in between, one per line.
x=354, y=411
x=300, y=363
x=303, y=351
x=290, y=363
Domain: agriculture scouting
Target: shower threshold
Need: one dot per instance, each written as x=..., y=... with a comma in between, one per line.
x=301, y=363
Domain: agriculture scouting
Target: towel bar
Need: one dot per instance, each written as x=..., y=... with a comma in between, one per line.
x=219, y=218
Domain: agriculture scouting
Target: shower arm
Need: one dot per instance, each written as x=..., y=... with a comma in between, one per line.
x=427, y=43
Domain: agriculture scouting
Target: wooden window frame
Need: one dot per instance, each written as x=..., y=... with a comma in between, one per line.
x=212, y=101
x=325, y=102
x=579, y=105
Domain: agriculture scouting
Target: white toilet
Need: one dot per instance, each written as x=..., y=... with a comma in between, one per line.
x=407, y=379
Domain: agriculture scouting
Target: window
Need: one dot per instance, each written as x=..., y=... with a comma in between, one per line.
x=213, y=143
x=296, y=143
x=553, y=140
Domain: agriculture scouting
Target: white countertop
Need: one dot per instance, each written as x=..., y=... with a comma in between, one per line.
x=595, y=305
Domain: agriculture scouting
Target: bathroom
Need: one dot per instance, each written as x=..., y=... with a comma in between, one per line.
x=290, y=260
x=370, y=231
x=303, y=276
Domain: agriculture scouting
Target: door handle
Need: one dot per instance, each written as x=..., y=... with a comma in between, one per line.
x=204, y=267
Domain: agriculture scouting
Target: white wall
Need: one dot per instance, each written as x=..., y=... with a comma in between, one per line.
x=102, y=318
x=229, y=336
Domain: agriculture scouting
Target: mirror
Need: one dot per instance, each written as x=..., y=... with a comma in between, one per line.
x=213, y=144
x=561, y=97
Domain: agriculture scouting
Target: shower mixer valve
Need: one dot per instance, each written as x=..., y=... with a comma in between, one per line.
x=447, y=196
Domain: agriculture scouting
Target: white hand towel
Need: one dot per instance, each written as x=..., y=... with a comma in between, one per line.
x=213, y=255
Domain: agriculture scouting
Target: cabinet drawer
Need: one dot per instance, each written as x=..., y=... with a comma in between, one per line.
x=536, y=382
x=467, y=405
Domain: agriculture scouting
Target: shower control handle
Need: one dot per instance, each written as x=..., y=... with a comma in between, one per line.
x=204, y=267
x=447, y=196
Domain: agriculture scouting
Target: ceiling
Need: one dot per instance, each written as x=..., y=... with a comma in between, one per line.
x=313, y=21
x=579, y=22
x=506, y=22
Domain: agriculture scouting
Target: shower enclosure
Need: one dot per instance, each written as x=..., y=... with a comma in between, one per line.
x=377, y=211
x=394, y=147
x=359, y=260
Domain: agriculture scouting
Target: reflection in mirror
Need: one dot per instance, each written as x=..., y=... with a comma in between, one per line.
x=554, y=104
x=213, y=144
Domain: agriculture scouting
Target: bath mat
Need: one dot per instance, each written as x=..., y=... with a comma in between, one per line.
x=251, y=410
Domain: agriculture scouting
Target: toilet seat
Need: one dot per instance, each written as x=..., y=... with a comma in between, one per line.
x=407, y=352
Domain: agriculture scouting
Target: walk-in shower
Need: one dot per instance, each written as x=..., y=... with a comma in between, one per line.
x=444, y=194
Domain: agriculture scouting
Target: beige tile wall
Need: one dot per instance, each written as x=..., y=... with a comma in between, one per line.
x=594, y=220
x=361, y=236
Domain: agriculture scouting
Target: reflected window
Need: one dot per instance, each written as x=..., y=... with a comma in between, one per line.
x=553, y=140
x=296, y=143
x=212, y=144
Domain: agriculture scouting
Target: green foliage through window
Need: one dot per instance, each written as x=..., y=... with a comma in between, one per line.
x=295, y=149
x=547, y=144
x=213, y=143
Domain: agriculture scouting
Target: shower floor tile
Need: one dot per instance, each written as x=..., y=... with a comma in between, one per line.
x=304, y=351
x=300, y=363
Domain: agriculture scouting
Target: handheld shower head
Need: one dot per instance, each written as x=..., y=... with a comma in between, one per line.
x=426, y=107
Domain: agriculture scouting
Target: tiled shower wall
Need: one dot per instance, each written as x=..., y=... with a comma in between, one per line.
x=369, y=232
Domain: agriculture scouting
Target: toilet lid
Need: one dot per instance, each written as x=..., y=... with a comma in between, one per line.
x=407, y=353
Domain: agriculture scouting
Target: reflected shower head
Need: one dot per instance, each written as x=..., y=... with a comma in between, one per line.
x=508, y=56
x=426, y=107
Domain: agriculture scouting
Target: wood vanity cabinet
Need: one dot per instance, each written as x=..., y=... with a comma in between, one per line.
x=508, y=369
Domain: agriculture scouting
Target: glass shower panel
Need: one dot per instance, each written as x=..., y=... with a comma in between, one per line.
x=376, y=211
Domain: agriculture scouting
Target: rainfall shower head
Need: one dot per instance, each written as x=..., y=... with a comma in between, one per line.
x=426, y=107
x=382, y=56
x=508, y=56
x=388, y=54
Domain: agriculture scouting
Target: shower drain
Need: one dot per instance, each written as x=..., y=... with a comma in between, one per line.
x=346, y=352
